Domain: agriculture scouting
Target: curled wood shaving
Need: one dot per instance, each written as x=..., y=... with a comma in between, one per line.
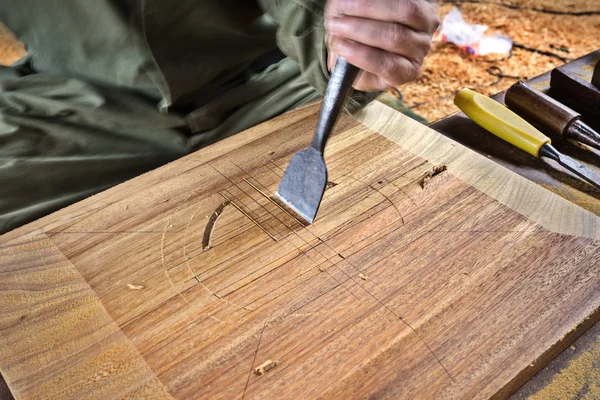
x=135, y=287
x=265, y=367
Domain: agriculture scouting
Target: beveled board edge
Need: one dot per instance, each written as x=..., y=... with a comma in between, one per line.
x=521, y=195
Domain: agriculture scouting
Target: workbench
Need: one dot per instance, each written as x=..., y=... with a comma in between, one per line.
x=430, y=272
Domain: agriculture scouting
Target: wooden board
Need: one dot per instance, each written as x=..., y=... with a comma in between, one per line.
x=183, y=281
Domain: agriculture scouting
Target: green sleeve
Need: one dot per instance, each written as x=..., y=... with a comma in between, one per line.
x=301, y=36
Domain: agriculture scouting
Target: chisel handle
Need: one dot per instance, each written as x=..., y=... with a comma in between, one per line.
x=540, y=109
x=338, y=88
x=500, y=121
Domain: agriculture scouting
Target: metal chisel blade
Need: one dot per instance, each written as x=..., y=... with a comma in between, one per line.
x=585, y=173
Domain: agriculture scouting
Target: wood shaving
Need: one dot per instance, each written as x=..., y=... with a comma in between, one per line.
x=135, y=287
x=265, y=367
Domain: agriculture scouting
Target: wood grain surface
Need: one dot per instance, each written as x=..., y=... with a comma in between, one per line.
x=430, y=272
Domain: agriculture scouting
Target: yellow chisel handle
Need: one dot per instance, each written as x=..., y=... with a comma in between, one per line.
x=500, y=121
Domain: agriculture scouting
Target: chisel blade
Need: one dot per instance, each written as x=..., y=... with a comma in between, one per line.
x=585, y=173
x=582, y=132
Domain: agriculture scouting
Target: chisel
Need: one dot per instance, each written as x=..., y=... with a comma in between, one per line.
x=305, y=178
x=549, y=115
x=508, y=126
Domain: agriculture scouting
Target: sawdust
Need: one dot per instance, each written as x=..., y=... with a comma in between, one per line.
x=580, y=380
x=575, y=196
x=446, y=69
x=265, y=367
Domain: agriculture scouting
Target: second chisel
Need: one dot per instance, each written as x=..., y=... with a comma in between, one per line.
x=508, y=126
x=549, y=115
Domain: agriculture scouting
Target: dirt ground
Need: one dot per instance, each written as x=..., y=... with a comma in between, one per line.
x=447, y=69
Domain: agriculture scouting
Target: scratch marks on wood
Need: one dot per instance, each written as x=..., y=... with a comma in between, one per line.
x=189, y=267
x=429, y=175
x=389, y=200
x=162, y=252
x=208, y=231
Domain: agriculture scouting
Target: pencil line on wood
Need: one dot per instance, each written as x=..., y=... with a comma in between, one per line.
x=407, y=324
x=254, y=359
x=274, y=202
x=239, y=208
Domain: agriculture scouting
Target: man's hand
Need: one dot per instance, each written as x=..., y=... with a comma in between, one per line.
x=386, y=39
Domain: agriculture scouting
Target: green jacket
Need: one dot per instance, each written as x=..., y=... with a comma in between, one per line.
x=186, y=53
x=81, y=112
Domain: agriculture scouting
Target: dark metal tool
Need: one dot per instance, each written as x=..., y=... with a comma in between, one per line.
x=305, y=177
x=547, y=150
x=549, y=115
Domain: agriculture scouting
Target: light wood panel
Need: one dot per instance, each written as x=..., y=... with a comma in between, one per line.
x=430, y=272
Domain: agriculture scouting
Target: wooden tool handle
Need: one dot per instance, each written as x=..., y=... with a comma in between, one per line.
x=539, y=109
x=500, y=121
x=339, y=87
